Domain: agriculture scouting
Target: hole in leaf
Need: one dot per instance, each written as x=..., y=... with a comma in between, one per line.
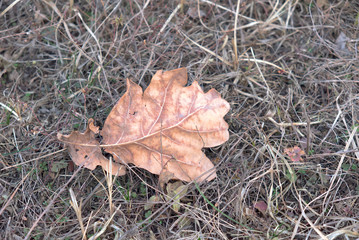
x=98, y=137
x=106, y=154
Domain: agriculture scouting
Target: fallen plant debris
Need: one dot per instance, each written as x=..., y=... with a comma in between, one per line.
x=261, y=206
x=162, y=130
x=295, y=153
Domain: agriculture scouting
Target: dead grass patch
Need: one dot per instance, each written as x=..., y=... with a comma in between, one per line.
x=288, y=68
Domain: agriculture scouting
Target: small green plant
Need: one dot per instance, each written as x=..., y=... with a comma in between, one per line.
x=27, y=96
x=61, y=218
x=50, y=186
x=148, y=214
x=143, y=189
x=126, y=192
x=43, y=166
x=348, y=167
x=76, y=125
x=133, y=195
x=7, y=119
x=58, y=165
x=39, y=235
x=292, y=177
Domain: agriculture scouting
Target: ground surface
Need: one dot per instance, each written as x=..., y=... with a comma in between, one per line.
x=289, y=70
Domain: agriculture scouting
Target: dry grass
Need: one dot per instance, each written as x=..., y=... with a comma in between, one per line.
x=288, y=68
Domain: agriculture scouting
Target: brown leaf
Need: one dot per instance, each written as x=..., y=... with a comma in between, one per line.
x=261, y=206
x=294, y=153
x=84, y=149
x=195, y=13
x=165, y=127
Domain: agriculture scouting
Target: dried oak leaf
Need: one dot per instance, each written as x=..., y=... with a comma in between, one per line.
x=85, y=149
x=162, y=129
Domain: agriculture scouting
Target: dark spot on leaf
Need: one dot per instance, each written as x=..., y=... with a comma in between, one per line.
x=98, y=137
